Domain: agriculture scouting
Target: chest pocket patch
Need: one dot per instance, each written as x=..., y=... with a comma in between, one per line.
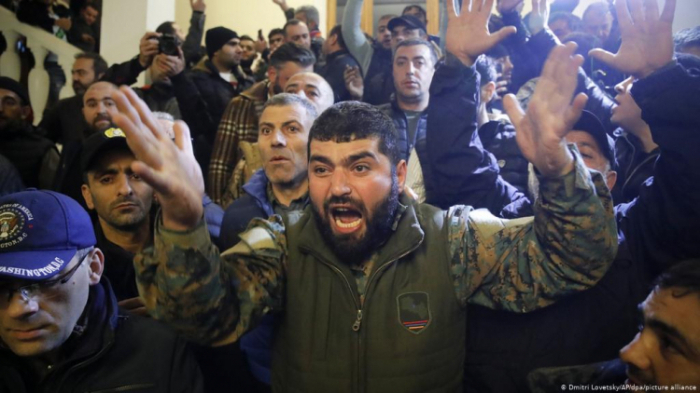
x=414, y=311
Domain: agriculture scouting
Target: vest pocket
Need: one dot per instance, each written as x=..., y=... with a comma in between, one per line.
x=321, y=318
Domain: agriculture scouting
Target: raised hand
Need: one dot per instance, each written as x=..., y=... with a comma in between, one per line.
x=540, y=132
x=282, y=3
x=539, y=16
x=198, y=5
x=148, y=48
x=647, y=40
x=468, y=34
x=354, y=82
x=169, y=167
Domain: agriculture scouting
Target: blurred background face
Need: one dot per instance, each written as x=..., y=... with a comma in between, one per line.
x=560, y=28
x=413, y=72
x=383, y=33
x=12, y=113
x=598, y=23
x=248, y=48
x=285, y=72
x=401, y=33
x=313, y=87
x=282, y=139
x=230, y=54
x=98, y=106
x=414, y=11
x=83, y=75
x=626, y=114
x=299, y=34
x=89, y=15
x=276, y=41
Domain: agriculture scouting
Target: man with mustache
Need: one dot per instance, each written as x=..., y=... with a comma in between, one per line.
x=372, y=285
x=121, y=201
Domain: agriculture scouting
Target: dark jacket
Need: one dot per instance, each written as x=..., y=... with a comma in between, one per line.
x=252, y=204
x=119, y=265
x=333, y=71
x=462, y=172
x=202, y=96
x=116, y=352
x=655, y=230
x=634, y=166
x=34, y=156
x=10, y=181
x=498, y=138
x=379, y=80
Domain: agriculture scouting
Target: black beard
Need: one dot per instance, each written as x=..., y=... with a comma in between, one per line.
x=379, y=229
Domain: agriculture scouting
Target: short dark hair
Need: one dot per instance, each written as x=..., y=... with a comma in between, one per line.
x=246, y=38
x=166, y=28
x=274, y=32
x=287, y=99
x=291, y=22
x=600, y=6
x=683, y=275
x=351, y=120
x=310, y=11
x=291, y=51
x=486, y=67
x=338, y=32
x=687, y=38
x=99, y=65
x=433, y=54
x=90, y=5
x=416, y=7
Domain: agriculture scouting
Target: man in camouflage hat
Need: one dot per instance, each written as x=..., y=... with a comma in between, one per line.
x=369, y=286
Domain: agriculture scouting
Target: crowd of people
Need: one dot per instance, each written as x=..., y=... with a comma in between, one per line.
x=492, y=209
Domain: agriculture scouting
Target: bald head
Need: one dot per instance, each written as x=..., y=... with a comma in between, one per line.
x=312, y=86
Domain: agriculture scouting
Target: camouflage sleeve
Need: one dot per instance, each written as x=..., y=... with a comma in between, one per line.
x=524, y=264
x=208, y=297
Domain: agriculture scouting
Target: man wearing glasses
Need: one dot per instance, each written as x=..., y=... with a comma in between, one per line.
x=60, y=327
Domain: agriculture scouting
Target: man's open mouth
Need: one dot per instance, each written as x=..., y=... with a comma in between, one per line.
x=346, y=217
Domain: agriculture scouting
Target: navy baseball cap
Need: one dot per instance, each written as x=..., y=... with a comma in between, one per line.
x=410, y=21
x=40, y=232
x=111, y=139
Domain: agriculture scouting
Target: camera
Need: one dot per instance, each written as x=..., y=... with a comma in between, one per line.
x=168, y=44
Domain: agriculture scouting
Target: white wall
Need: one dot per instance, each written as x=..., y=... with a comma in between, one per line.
x=245, y=16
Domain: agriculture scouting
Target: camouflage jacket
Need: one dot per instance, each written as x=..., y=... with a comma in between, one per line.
x=517, y=265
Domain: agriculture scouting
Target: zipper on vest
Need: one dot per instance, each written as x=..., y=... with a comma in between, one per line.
x=358, y=322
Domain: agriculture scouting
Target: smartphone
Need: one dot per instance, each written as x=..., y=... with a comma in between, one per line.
x=260, y=35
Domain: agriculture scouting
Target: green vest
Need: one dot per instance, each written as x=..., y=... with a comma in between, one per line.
x=409, y=336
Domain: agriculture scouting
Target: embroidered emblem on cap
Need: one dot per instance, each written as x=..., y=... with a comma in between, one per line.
x=13, y=222
x=115, y=133
x=414, y=311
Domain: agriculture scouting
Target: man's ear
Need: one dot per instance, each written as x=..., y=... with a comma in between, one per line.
x=401, y=169
x=271, y=73
x=25, y=112
x=96, y=264
x=611, y=179
x=487, y=92
x=85, y=189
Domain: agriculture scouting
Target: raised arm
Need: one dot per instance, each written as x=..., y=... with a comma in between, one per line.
x=462, y=172
x=192, y=46
x=182, y=279
x=524, y=264
x=356, y=42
